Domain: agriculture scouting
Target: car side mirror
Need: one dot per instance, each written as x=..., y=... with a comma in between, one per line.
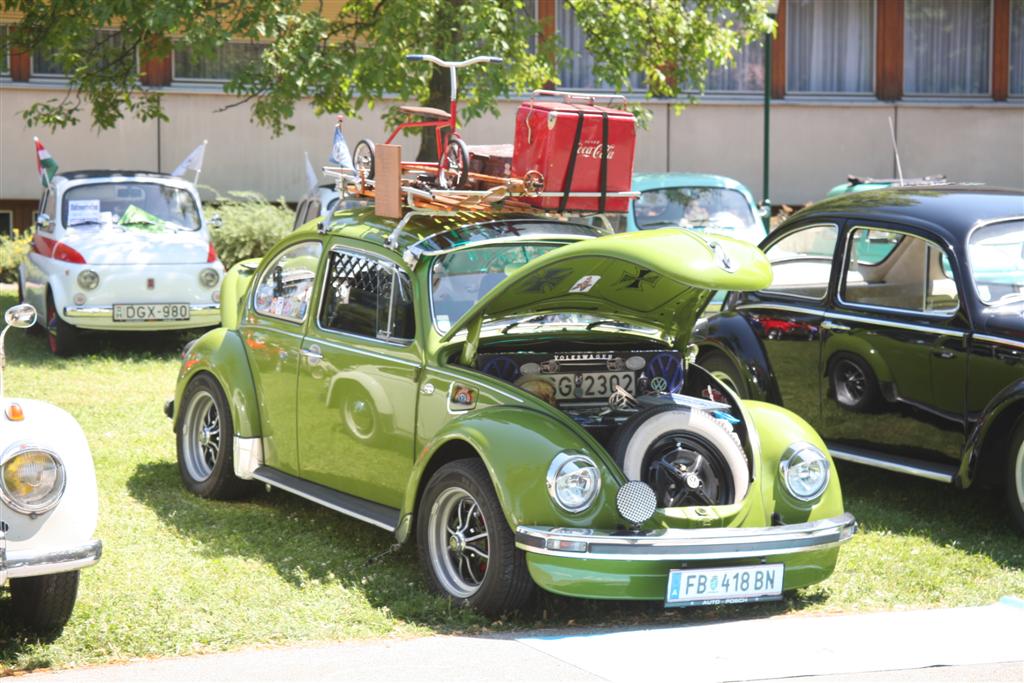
x=22, y=315
x=44, y=222
x=216, y=221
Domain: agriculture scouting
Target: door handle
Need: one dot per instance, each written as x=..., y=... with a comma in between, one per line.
x=834, y=326
x=312, y=354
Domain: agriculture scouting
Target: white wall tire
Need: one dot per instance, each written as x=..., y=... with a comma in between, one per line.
x=1015, y=480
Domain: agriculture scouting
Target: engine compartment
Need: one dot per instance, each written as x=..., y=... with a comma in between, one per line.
x=666, y=422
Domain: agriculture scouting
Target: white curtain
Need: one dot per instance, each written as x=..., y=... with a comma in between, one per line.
x=579, y=72
x=1017, y=47
x=745, y=74
x=830, y=46
x=947, y=47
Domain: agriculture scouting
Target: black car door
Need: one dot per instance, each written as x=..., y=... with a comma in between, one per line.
x=893, y=353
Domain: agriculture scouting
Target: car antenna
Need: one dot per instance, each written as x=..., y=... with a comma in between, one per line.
x=896, y=151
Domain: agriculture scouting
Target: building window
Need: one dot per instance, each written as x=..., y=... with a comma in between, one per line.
x=830, y=46
x=227, y=61
x=1017, y=48
x=744, y=74
x=947, y=47
x=579, y=72
x=6, y=223
x=5, y=62
x=45, y=62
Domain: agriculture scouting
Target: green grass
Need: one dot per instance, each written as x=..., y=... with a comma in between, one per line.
x=180, y=575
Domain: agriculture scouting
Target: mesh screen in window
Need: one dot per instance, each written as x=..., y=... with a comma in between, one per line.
x=802, y=262
x=285, y=288
x=365, y=297
x=914, y=274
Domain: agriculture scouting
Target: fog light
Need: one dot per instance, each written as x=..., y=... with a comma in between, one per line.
x=215, y=297
x=573, y=481
x=636, y=502
x=88, y=279
x=78, y=298
x=209, y=277
x=805, y=471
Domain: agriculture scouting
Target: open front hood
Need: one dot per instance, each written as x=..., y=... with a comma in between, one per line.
x=112, y=246
x=655, y=278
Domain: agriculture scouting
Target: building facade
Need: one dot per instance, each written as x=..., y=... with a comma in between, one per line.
x=948, y=73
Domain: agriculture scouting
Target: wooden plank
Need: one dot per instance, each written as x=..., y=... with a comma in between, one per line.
x=889, y=50
x=388, y=181
x=1000, y=50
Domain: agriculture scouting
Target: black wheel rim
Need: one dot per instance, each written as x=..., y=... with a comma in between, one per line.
x=851, y=383
x=686, y=469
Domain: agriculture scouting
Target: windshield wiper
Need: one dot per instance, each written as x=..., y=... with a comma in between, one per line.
x=534, y=319
x=610, y=323
x=77, y=224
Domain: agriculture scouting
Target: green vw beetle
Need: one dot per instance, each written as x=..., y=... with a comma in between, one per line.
x=516, y=394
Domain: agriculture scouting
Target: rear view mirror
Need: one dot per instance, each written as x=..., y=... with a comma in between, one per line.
x=22, y=315
x=44, y=222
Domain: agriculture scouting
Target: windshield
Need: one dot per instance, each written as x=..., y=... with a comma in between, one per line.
x=712, y=209
x=150, y=207
x=996, y=256
x=461, y=278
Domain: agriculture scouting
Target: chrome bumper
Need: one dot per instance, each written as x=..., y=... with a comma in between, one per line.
x=687, y=544
x=21, y=563
x=107, y=312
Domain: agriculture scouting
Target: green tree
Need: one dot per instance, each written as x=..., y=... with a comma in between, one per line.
x=355, y=57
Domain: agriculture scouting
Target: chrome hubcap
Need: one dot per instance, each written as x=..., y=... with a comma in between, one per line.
x=202, y=442
x=458, y=542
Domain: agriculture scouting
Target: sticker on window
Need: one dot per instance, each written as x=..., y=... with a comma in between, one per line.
x=584, y=284
x=83, y=211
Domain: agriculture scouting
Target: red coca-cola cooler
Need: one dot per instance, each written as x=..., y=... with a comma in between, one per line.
x=564, y=140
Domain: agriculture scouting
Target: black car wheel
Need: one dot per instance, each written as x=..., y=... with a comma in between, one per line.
x=853, y=383
x=1015, y=478
x=205, y=442
x=43, y=604
x=62, y=337
x=465, y=545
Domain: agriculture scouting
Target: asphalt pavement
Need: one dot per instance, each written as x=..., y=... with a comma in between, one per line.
x=961, y=644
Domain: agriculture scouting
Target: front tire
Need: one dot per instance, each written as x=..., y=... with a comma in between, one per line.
x=205, y=442
x=853, y=383
x=63, y=338
x=43, y=604
x=1015, y=478
x=465, y=546
x=453, y=169
x=364, y=158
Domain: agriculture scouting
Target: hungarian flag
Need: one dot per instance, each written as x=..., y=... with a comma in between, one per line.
x=45, y=164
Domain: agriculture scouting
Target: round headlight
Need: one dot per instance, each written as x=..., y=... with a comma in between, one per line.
x=804, y=471
x=31, y=479
x=208, y=277
x=573, y=481
x=88, y=279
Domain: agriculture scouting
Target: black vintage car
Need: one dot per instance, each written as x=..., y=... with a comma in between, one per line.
x=895, y=326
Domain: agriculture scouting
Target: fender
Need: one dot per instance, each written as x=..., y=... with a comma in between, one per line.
x=233, y=291
x=730, y=333
x=1004, y=407
x=860, y=347
x=57, y=287
x=221, y=353
x=517, y=445
x=777, y=428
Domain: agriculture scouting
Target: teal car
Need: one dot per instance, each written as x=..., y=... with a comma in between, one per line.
x=515, y=395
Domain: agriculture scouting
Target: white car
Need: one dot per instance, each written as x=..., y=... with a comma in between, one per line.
x=121, y=251
x=48, y=504
x=322, y=201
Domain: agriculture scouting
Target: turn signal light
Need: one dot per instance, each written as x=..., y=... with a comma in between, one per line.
x=14, y=412
x=211, y=255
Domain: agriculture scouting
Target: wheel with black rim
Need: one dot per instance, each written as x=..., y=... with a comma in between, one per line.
x=453, y=173
x=853, y=383
x=364, y=159
x=725, y=371
x=774, y=334
x=465, y=545
x=1015, y=478
x=43, y=604
x=62, y=338
x=687, y=456
x=205, y=442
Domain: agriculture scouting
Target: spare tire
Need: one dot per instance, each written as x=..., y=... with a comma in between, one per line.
x=687, y=456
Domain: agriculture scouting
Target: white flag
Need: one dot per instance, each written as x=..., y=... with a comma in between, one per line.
x=193, y=162
x=311, y=176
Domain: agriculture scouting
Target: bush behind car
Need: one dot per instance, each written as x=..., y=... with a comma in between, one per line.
x=252, y=225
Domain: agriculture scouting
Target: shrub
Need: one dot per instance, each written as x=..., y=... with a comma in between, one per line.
x=12, y=251
x=251, y=226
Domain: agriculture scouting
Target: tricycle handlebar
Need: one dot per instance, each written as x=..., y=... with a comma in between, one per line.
x=455, y=65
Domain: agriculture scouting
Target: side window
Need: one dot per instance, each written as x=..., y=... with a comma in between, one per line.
x=802, y=262
x=300, y=214
x=366, y=297
x=893, y=270
x=312, y=210
x=285, y=287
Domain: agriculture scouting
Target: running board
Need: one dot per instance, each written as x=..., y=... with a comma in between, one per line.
x=896, y=463
x=363, y=510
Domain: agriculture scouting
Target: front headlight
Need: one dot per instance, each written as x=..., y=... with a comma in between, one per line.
x=88, y=279
x=209, y=277
x=804, y=471
x=31, y=479
x=573, y=481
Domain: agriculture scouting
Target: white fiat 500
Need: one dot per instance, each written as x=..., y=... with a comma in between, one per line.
x=48, y=504
x=121, y=251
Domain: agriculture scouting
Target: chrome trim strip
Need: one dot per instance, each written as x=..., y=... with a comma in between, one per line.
x=690, y=544
x=364, y=352
x=108, y=311
x=889, y=466
x=21, y=563
x=836, y=315
x=320, y=501
x=1016, y=343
